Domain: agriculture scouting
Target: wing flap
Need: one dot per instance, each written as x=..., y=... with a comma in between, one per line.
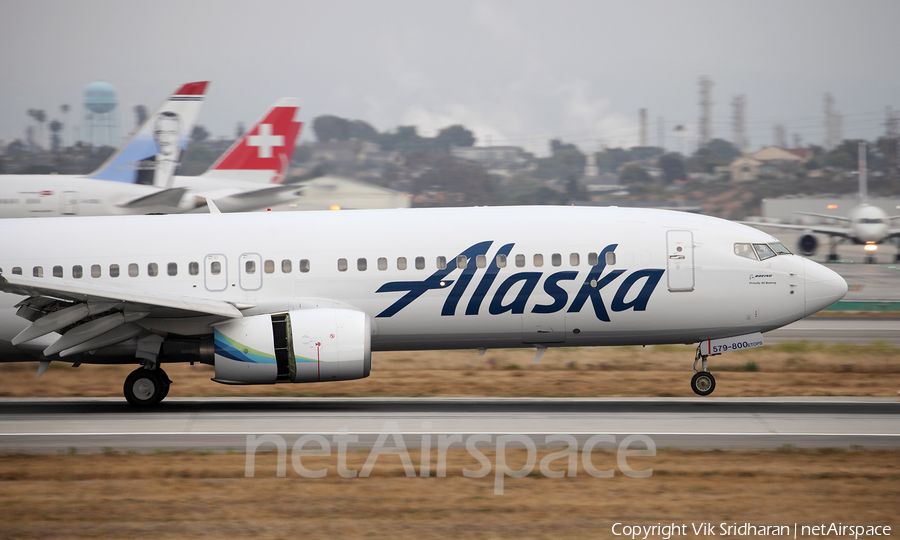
x=158, y=304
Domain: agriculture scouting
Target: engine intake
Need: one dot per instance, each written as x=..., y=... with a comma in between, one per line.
x=808, y=244
x=301, y=346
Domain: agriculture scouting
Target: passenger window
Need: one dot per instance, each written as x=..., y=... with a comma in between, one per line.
x=342, y=265
x=269, y=266
x=744, y=250
x=420, y=263
x=382, y=263
x=304, y=265
x=96, y=271
x=480, y=261
x=114, y=270
x=593, y=259
x=779, y=249
x=286, y=266
x=17, y=271
x=77, y=271
x=401, y=263
x=611, y=258
x=361, y=265
x=193, y=268
x=538, y=260
x=574, y=259
x=442, y=263
x=152, y=269
x=172, y=269
x=215, y=268
x=520, y=260
x=250, y=267
x=38, y=271
x=57, y=271
x=501, y=261
x=556, y=259
x=764, y=251
x=462, y=262
x=133, y=270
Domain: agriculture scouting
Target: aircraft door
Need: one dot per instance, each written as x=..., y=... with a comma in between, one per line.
x=680, y=260
x=251, y=271
x=216, y=272
x=68, y=203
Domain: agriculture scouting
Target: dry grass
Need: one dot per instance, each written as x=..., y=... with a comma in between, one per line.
x=789, y=369
x=184, y=495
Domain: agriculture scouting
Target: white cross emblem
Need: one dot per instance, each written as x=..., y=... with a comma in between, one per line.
x=265, y=141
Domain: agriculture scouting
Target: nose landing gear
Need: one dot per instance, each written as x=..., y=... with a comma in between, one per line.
x=702, y=383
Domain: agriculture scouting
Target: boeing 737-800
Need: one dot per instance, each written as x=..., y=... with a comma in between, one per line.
x=140, y=177
x=307, y=296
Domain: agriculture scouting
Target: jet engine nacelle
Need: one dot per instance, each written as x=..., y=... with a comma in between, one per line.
x=808, y=244
x=310, y=345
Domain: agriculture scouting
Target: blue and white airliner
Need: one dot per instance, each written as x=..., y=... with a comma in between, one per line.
x=303, y=297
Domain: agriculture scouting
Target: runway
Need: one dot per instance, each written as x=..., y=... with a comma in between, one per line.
x=838, y=330
x=218, y=424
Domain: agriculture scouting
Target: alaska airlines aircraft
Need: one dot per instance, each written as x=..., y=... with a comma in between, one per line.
x=868, y=225
x=140, y=179
x=301, y=297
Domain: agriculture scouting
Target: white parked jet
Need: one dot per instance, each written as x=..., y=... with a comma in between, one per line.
x=139, y=178
x=307, y=296
x=867, y=225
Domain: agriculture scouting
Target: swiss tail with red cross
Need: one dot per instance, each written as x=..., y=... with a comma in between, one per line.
x=264, y=152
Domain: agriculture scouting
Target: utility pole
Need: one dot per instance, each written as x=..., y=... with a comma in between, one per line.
x=738, y=122
x=706, y=104
x=643, y=116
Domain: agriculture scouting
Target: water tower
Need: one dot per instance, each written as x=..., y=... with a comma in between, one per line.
x=101, y=126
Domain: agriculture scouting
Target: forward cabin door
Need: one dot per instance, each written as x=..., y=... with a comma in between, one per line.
x=680, y=260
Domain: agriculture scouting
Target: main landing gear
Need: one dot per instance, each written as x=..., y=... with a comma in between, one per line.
x=146, y=387
x=702, y=383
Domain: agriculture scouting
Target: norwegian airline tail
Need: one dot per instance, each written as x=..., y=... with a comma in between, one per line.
x=263, y=153
x=153, y=152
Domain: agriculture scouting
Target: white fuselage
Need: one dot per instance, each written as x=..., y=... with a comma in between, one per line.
x=868, y=224
x=659, y=277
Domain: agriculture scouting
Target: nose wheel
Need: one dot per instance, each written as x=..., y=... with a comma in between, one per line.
x=702, y=383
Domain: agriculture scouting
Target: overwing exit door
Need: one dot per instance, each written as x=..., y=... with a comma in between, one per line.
x=680, y=260
x=215, y=272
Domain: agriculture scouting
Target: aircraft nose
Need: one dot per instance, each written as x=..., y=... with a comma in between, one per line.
x=823, y=286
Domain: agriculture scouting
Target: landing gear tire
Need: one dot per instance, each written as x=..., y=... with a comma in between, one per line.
x=832, y=257
x=145, y=388
x=703, y=383
x=870, y=260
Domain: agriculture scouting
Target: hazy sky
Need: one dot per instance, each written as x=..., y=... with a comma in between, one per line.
x=515, y=72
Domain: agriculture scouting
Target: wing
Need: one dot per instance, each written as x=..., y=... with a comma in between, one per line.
x=93, y=316
x=825, y=216
x=253, y=200
x=830, y=231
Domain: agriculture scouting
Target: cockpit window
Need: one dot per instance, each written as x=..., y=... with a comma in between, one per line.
x=871, y=220
x=744, y=250
x=779, y=248
x=764, y=251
